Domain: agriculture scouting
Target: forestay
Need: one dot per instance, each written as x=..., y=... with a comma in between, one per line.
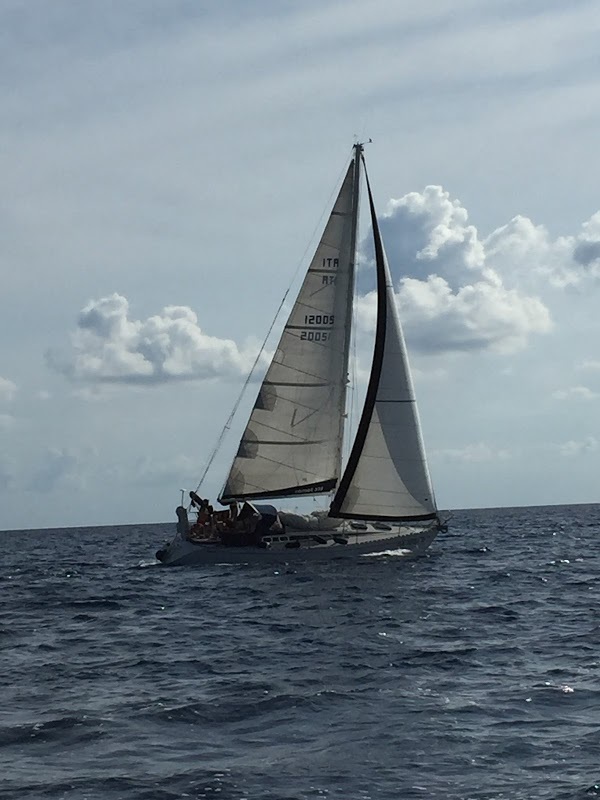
x=292, y=443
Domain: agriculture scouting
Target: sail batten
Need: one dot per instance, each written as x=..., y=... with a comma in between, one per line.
x=288, y=444
x=292, y=442
x=283, y=383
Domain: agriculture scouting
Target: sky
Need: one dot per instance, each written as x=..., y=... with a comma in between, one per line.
x=166, y=165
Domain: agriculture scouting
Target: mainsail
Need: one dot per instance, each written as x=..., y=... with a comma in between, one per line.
x=386, y=477
x=292, y=444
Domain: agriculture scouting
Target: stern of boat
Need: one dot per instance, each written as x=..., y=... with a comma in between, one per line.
x=165, y=554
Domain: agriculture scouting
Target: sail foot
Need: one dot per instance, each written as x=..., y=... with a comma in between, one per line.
x=320, y=487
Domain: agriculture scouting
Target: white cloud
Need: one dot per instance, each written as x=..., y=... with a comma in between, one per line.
x=449, y=298
x=586, y=251
x=473, y=453
x=8, y=390
x=525, y=251
x=575, y=392
x=480, y=316
x=577, y=448
x=429, y=233
x=109, y=347
x=529, y=252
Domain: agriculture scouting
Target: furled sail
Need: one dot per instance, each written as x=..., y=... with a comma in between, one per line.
x=292, y=443
x=386, y=477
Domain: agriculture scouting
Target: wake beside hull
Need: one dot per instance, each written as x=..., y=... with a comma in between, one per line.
x=182, y=552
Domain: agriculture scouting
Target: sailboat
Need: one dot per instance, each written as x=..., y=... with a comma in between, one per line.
x=381, y=499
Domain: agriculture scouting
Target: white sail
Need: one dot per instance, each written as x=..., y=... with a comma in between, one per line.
x=292, y=443
x=387, y=477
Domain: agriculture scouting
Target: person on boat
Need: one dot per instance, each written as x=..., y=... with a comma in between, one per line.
x=243, y=532
x=203, y=516
x=198, y=502
x=226, y=520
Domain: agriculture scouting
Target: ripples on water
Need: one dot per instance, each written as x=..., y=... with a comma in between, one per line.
x=470, y=673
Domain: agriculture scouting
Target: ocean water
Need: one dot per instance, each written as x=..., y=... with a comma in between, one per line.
x=473, y=672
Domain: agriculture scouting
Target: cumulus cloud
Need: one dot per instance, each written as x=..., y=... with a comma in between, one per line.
x=450, y=298
x=575, y=393
x=429, y=232
x=456, y=291
x=586, y=251
x=525, y=251
x=528, y=251
x=110, y=347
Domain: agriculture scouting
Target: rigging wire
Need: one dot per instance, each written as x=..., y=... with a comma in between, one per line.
x=236, y=405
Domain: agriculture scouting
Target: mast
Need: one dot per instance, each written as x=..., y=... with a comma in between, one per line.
x=358, y=150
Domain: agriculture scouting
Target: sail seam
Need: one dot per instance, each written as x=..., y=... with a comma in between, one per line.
x=297, y=385
x=307, y=327
x=324, y=271
x=286, y=444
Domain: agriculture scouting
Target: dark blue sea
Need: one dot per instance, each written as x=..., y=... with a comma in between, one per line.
x=471, y=673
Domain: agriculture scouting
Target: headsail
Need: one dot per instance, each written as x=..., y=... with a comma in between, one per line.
x=292, y=443
x=386, y=477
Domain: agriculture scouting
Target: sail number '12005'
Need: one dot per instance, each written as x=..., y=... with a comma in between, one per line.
x=317, y=319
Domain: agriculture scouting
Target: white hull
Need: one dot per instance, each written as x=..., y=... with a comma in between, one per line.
x=183, y=552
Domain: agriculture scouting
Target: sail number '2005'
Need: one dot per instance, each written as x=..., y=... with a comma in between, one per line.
x=317, y=319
